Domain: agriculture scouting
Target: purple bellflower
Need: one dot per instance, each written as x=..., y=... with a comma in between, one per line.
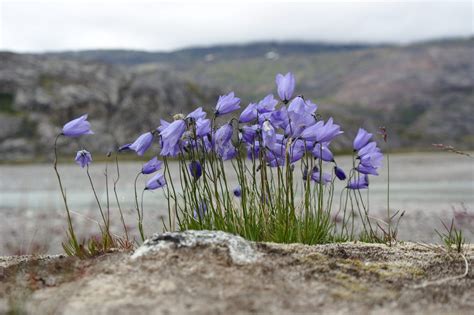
x=325, y=177
x=125, y=147
x=300, y=116
x=267, y=105
x=370, y=159
x=170, y=137
x=222, y=144
x=321, y=132
x=142, y=143
x=248, y=133
x=223, y=135
x=83, y=158
x=157, y=181
x=361, y=139
x=163, y=125
x=253, y=150
x=227, y=152
x=285, y=86
x=321, y=151
x=359, y=183
x=227, y=104
x=197, y=114
x=152, y=166
x=195, y=169
x=278, y=118
x=77, y=127
x=249, y=113
x=310, y=107
x=297, y=151
x=268, y=135
x=203, y=127
x=339, y=173
x=237, y=192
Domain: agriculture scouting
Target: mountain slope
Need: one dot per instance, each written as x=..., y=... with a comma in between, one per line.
x=423, y=93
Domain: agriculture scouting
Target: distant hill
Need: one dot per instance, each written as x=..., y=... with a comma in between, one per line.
x=269, y=50
x=422, y=92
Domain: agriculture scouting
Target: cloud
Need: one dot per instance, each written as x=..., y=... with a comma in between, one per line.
x=72, y=25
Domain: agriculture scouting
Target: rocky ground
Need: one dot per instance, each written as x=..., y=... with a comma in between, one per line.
x=217, y=273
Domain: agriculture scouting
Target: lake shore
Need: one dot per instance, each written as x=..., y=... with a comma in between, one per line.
x=215, y=273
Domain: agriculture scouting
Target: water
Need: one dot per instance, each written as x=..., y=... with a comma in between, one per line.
x=425, y=185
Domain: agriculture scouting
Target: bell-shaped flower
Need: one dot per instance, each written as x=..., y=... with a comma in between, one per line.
x=249, y=113
x=267, y=105
x=285, y=86
x=197, y=114
x=248, y=134
x=268, y=135
x=278, y=118
x=324, y=178
x=125, y=147
x=310, y=107
x=361, y=139
x=227, y=151
x=83, y=158
x=275, y=155
x=300, y=116
x=237, y=191
x=152, y=166
x=195, y=169
x=171, y=135
x=367, y=169
x=339, y=173
x=321, y=151
x=297, y=151
x=370, y=158
x=362, y=182
x=223, y=135
x=203, y=127
x=227, y=104
x=163, y=125
x=253, y=150
x=77, y=127
x=142, y=143
x=157, y=181
x=321, y=132
x=368, y=150
x=275, y=162
x=297, y=107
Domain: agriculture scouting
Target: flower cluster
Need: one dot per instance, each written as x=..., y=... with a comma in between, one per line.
x=264, y=144
x=370, y=159
x=282, y=134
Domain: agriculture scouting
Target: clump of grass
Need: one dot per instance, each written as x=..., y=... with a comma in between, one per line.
x=452, y=237
x=95, y=245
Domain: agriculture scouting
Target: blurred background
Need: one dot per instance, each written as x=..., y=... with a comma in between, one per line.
x=406, y=65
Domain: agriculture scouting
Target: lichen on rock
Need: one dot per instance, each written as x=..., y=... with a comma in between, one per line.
x=240, y=250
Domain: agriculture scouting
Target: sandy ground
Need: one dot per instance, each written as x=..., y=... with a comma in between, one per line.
x=42, y=233
x=172, y=276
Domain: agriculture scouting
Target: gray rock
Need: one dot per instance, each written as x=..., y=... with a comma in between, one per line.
x=240, y=250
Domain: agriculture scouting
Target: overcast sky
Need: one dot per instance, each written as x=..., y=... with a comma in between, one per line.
x=34, y=26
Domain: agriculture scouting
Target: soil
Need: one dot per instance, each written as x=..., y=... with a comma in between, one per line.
x=217, y=273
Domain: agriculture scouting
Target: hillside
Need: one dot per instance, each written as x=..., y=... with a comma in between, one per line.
x=39, y=94
x=422, y=92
